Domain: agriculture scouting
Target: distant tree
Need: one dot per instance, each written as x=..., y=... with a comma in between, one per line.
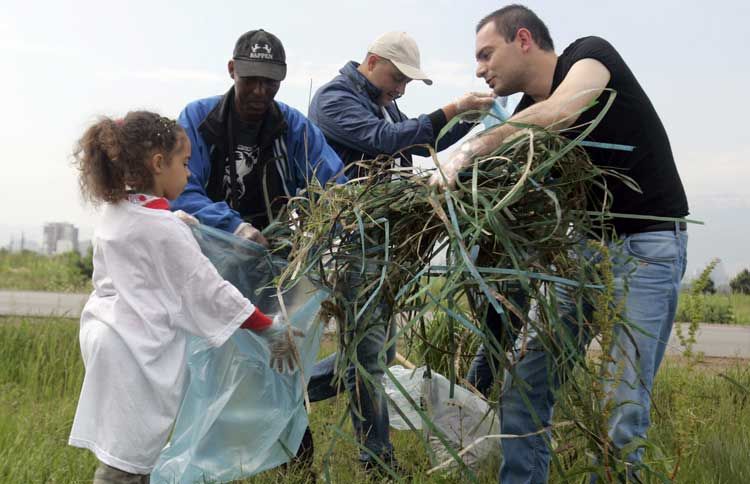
x=710, y=287
x=741, y=282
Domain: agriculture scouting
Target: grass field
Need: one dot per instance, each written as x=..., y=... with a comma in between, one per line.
x=701, y=417
x=741, y=306
x=717, y=307
x=28, y=271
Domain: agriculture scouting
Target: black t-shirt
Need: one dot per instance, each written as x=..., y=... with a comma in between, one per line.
x=254, y=165
x=630, y=121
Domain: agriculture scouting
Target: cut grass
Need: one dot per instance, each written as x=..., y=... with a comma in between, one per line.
x=701, y=415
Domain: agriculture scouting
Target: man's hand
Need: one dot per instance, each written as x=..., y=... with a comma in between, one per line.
x=459, y=160
x=247, y=231
x=186, y=217
x=474, y=101
x=280, y=339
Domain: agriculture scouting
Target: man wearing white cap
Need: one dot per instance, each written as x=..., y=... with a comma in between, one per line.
x=357, y=113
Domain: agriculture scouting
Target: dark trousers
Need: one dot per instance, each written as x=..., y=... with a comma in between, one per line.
x=500, y=335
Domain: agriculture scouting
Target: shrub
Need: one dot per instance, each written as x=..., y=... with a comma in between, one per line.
x=710, y=287
x=705, y=309
x=741, y=282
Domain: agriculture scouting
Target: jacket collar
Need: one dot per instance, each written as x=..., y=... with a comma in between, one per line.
x=216, y=128
x=363, y=86
x=360, y=82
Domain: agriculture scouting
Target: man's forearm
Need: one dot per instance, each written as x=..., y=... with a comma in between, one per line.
x=540, y=114
x=486, y=142
x=450, y=111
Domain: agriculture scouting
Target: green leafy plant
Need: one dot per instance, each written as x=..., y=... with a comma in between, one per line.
x=695, y=311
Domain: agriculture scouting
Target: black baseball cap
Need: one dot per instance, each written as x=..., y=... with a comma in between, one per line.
x=259, y=53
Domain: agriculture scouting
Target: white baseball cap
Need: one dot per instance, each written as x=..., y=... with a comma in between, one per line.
x=402, y=50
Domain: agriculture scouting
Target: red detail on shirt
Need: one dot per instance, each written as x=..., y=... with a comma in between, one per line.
x=257, y=321
x=157, y=203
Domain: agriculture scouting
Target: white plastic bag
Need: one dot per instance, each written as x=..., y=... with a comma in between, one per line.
x=462, y=418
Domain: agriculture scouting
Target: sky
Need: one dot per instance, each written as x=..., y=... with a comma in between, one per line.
x=66, y=62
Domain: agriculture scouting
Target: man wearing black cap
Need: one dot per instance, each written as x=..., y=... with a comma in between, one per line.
x=250, y=153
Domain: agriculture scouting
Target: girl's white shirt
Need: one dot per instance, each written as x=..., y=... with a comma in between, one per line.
x=152, y=287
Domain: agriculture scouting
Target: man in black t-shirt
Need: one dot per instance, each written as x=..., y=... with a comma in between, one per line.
x=515, y=53
x=254, y=176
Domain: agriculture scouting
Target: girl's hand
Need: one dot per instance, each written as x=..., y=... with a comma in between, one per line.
x=280, y=337
x=247, y=231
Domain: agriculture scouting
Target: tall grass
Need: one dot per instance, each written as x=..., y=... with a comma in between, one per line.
x=718, y=308
x=701, y=419
x=40, y=377
x=29, y=271
x=741, y=306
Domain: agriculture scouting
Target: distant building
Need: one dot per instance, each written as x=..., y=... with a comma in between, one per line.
x=20, y=243
x=59, y=238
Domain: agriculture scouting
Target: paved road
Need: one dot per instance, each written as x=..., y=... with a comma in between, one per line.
x=30, y=303
x=714, y=340
x=717, y=340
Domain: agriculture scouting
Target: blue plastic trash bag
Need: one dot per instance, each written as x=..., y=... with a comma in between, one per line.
x=498, y=113
x=239, y=417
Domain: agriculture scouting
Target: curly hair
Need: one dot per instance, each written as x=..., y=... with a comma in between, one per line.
x=111, y=155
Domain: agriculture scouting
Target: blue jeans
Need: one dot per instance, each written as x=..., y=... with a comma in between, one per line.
x=368, y=402
x=654, y=263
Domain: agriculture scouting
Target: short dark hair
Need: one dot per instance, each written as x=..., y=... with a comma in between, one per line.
x=513, y=17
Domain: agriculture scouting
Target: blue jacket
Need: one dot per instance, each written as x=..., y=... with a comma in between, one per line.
x=346, y=111
x=297, y=146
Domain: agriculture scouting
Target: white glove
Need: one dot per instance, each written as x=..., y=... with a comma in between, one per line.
x=186, y=217
x=474, y=101
x=247, y=231
x=459, y=160
x=279, y=337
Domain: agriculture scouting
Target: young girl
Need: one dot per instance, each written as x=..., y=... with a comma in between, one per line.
x=152, y=286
